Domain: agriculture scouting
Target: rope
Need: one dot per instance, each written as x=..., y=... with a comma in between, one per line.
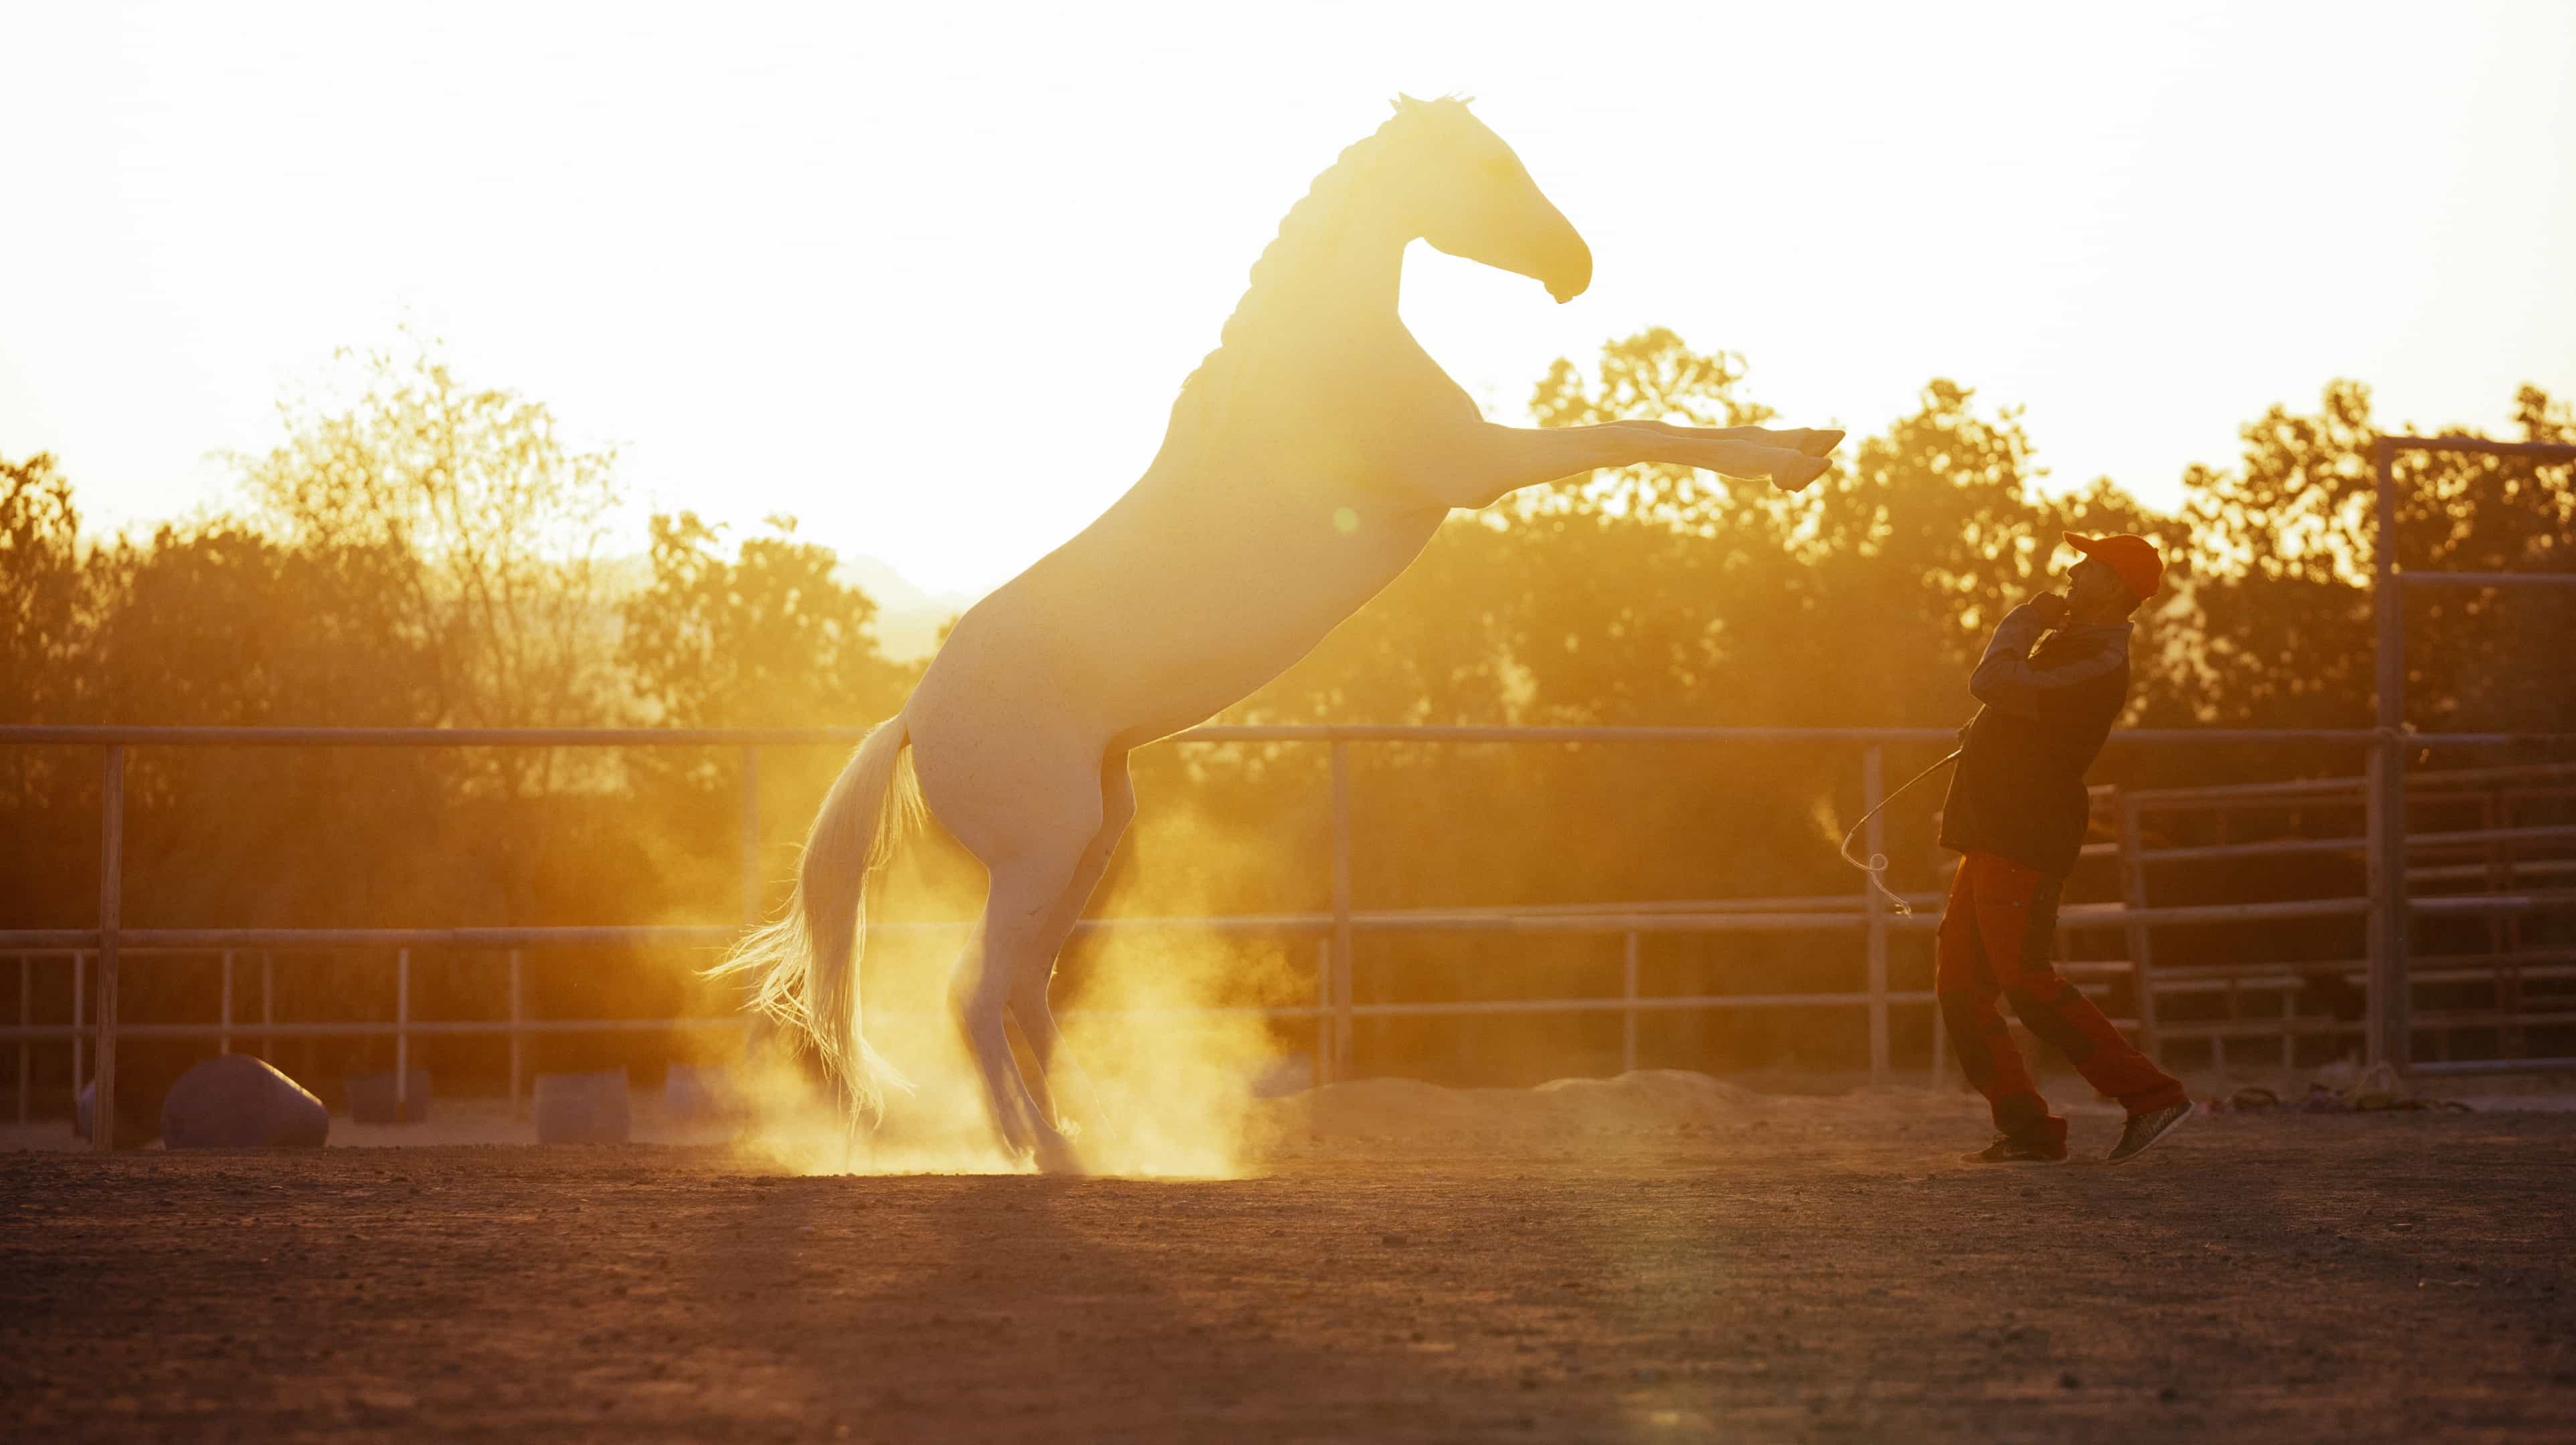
x=1876, y=867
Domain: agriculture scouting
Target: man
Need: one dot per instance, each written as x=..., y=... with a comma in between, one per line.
x=2017, y=810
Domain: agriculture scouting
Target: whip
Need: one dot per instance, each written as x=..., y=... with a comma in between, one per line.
x=1876, y=867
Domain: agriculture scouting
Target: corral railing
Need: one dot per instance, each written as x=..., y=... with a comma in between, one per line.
x=1860, y=915
x=2391, y=994
x=2496, y=857
x=2387, y=904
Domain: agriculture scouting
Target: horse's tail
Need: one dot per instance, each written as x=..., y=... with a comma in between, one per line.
x=803, y=969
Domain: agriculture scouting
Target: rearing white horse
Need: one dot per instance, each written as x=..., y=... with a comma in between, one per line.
x=1308, y=460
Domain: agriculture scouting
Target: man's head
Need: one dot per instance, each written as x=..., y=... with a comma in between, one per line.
x=2117, y=574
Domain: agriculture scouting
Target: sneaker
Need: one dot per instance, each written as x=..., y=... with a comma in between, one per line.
x=2145, y=1129
x=2008, y=1150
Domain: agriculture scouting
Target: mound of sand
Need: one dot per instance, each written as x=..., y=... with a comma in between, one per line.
x=1640, y=1105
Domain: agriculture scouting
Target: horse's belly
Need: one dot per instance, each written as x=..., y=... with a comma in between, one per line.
x=1196, y=654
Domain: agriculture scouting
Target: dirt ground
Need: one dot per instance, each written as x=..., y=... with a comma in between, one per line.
x=1794, y=1272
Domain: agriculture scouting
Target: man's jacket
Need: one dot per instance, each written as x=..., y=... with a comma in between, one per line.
x=2019, y=791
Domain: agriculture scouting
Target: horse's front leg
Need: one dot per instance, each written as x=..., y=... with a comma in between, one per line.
x=1808, y=441
x=1481, y=464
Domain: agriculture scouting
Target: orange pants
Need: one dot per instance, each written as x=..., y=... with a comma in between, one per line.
x=1994, y=944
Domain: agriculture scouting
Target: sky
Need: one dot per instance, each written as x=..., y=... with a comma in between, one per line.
x=927, y=277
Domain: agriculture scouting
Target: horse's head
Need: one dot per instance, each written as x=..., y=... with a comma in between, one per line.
x=1464, y=191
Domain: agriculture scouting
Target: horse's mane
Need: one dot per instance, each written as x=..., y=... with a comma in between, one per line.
x=1309, y=225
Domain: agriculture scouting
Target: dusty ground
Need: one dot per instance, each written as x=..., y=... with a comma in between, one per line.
x=1806, y=1271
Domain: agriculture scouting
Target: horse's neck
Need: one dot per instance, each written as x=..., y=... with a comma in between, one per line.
x=1333, y=272
x=1353, y=278
x=1328, y=341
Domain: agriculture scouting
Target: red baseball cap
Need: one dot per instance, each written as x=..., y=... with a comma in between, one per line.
x=2131, y=556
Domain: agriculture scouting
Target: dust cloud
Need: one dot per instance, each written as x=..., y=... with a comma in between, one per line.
x=1165, y=1042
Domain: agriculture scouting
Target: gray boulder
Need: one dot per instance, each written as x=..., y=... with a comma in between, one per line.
x=234, y=1101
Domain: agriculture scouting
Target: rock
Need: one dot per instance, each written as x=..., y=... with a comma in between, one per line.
x=234, y=1101
x=136, y=1124
x=2253, y=1098
x=371, y=1097
x=582, y=1108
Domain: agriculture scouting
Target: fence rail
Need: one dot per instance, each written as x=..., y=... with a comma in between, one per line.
x=2385, y=845
x=1858, y=914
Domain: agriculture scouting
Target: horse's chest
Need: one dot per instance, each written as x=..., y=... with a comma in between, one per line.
x=1255, y=590
x=1336, y=544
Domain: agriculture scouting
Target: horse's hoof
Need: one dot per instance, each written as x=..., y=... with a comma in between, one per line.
x=1795, y=474
x=1816, y=443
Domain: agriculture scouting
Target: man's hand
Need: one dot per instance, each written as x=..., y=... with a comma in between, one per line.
x=2051, y=609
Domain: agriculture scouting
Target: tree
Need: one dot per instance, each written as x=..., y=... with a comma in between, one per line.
x=40, y=591
x=2282, y=621
x=769, y=639
x=491, y=526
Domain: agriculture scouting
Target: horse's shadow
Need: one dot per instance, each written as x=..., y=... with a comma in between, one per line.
x=993, y=1306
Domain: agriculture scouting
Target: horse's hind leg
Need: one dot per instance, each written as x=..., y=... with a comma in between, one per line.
x=1032, y=852
x=1066, y=1088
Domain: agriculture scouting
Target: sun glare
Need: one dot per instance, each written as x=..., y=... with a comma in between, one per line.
x=820, y=263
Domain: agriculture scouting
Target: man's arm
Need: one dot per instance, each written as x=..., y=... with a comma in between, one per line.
x=2004, y=678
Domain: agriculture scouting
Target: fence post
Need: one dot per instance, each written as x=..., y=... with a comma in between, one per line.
x=2385, y=824
x=2504, y=930
x=1628, y=1015
x=1323, y=1005
x=2133, y=897
x=111, y=920
x=26, y=1019
x=224, y=1040
x=517, y=1016
x=1873, y=784
x=2389, y=1037
x=2289, y=1033
x=80, y=1007
x=402, y=1035
x=1341, y=910
x=750, y=836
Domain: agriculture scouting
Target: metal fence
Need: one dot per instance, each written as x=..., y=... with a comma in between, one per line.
x=2504, y=859
x=1859, y=915
x=2390, y=1003
x=2387, y=904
